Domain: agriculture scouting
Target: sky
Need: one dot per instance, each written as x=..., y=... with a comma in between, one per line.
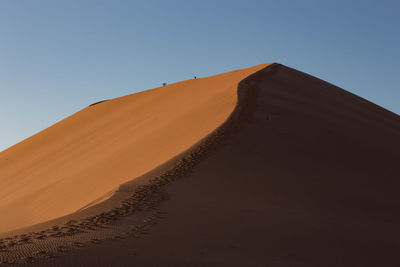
x=57, y=57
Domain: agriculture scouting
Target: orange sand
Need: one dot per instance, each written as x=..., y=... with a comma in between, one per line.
x=87, y=155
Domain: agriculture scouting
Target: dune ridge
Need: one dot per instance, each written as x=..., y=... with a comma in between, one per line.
x=80, y=159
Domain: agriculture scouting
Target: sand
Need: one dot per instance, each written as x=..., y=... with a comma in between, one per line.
x=302, y=173
x=85, y=157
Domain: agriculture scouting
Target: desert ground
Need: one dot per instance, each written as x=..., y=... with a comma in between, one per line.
x=264, y=166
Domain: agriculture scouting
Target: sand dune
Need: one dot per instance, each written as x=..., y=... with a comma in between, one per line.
x=310, y=178
x=92, y=152
x=302, y=173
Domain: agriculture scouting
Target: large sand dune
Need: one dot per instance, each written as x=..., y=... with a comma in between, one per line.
x=302, y=173
x=84, y=157
x=311, y=178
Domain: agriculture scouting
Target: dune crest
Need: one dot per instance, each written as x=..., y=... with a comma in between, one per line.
x=80, y=159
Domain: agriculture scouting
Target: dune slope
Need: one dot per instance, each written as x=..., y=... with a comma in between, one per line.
x=84, y=157
x=311, y=178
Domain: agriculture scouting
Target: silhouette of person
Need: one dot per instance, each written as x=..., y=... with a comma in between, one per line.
x=195, y=77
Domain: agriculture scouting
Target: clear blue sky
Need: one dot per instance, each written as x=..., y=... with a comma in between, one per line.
x=56, y=57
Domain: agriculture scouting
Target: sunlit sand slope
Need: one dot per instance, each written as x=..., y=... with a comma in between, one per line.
x=89, y=154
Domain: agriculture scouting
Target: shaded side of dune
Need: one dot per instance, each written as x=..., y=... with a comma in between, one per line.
x=310, y=178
